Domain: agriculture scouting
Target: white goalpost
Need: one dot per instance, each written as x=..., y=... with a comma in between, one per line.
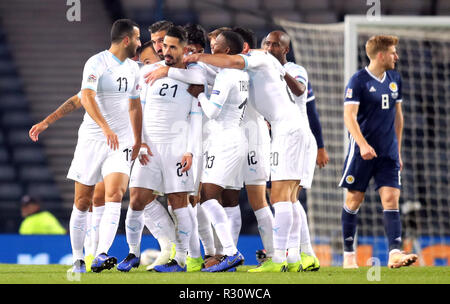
x=332, y=53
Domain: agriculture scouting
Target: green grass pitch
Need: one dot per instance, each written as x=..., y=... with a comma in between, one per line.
x=57, y=274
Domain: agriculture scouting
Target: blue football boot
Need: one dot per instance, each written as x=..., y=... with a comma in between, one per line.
x=227, y=262
x=131, y=261
x=102, y=262
x=171, y=266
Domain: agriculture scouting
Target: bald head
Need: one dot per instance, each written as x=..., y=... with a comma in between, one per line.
x=277, y=43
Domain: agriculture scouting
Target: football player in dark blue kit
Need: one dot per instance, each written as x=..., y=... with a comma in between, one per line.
x=374, y=119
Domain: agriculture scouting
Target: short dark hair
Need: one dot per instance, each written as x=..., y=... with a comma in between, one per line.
x=196, y=34
x=234, y=41
x=177, y=32
x=248, y=35
x=122, y=28
x=144, y=46
x=162, y=25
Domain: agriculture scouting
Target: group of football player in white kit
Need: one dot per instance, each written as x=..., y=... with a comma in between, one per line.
x=197, y=128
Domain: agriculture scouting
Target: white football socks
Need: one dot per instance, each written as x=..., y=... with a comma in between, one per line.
x=294, y=235
x=221, y=225
x=282, y=224
x=305, y=239
x=97, y=214
x=108, y=226
x=77, y=227
x=134, y=224
x=88, y=237
x=194, y=242
x=183, y=234
x=205, y=231
x=264, y=217
x=235, y=219
x=160, y=224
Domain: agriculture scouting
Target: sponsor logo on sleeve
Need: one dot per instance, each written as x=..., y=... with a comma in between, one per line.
x=349, y=93
x=92, y=78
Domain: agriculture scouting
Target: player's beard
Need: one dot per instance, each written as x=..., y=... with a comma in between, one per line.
x=131, y=50
x=170, y=63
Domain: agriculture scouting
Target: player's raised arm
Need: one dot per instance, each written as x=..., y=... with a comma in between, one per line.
x=192, y=75
x=296, y=87
x=212, y=106
x=67, y=107
x=219, y=60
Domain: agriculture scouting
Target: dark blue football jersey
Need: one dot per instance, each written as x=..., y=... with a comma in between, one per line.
x=377, y=108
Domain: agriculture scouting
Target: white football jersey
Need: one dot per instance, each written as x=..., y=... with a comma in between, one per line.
x=167, y=109
x=115, y=82
x=300, y=74
x=268, y=89
x=228, y=99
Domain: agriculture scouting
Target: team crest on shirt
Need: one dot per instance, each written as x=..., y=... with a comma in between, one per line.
x=350, y=179
x=349, y=93
x=92, y=78
x=394, y=89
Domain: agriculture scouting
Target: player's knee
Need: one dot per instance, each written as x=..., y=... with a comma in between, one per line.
x=114, y=195
x=82, y=203
x=98, y=199
x=354, y=200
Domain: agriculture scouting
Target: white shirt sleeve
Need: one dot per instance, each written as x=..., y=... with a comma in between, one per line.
x=219, y=94
x=93, y=70
x=136, y=91
x=194, y=74
x=254, y=60
x=299, y=73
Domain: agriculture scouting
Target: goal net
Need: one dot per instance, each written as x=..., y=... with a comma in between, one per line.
x=331, y=54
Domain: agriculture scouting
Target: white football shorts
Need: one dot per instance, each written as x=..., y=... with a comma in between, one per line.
x=288, y=150
x=223, y=161
x=163, y=172
x=308, y=163
x=93, y=160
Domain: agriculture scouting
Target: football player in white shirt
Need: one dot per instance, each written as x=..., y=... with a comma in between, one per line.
x=105, y=147
x=172, y=124
x=257, y=167
x=158, y=31
x=269, y=95
x=277, y=43
x=156, y=220
x=226, y=146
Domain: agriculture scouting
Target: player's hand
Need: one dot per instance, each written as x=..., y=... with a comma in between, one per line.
x=196, y=89
x=191, y=58
x=154, y=75
x=135, y=152
x=144, y=154
x=401, y=161
x=111, y=138
x=367, y=152
x=36, y=130
x=322, y=157
x=186, y=161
